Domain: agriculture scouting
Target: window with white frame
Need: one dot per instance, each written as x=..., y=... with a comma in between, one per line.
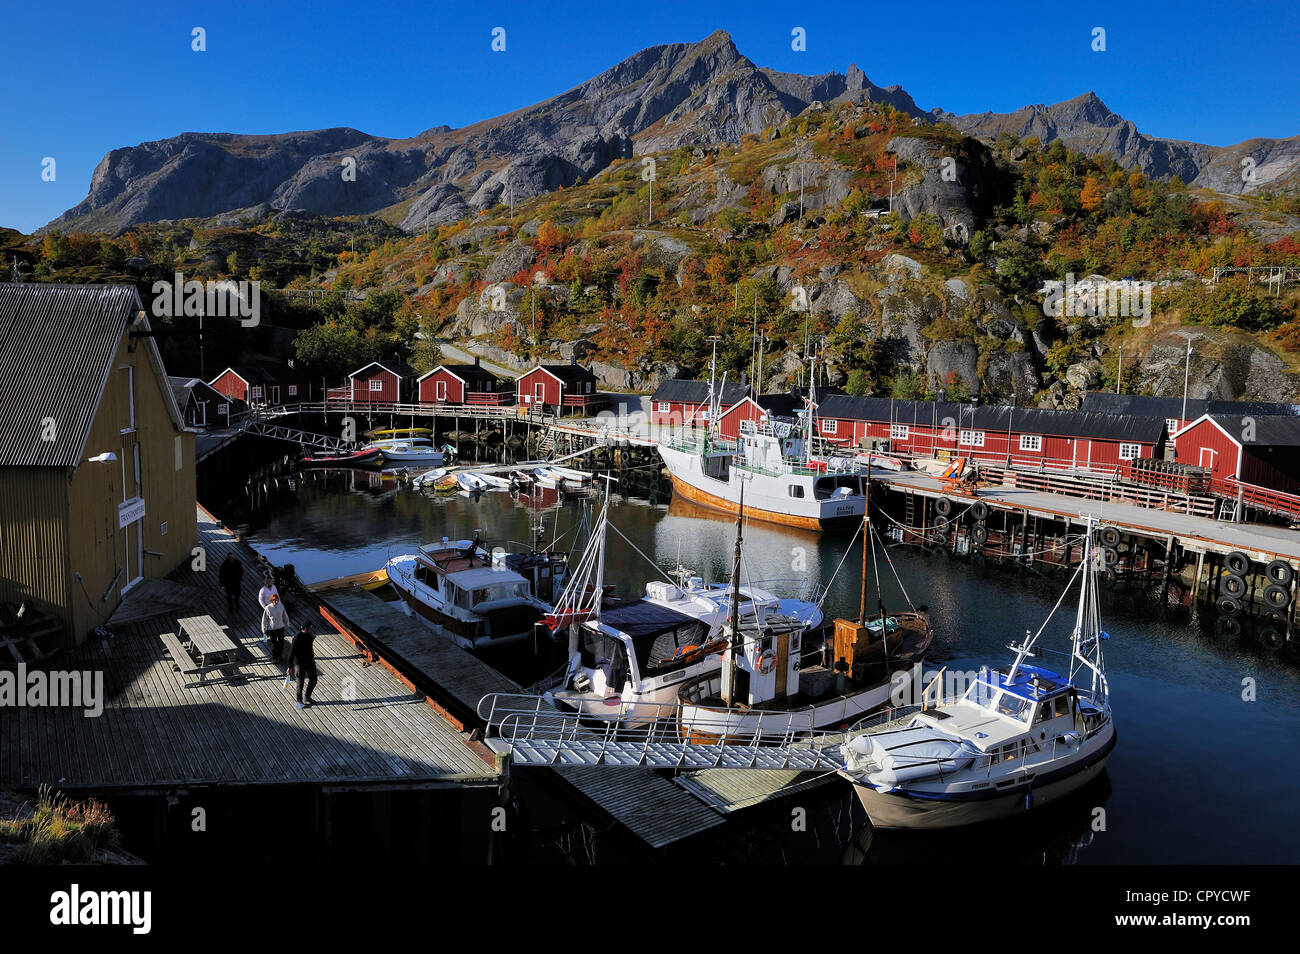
x=1171, y=424
x=746, y=426
x=830, y=426
x=898, y=432
x=1031, y=442
x=255, y=392
x=971, y=439
x=1130, y=451
x=376, y=384
x=665, y=407
x=293, y=390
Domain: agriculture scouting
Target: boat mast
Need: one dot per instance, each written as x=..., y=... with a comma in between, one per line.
x=866, y=528
x=737, y=643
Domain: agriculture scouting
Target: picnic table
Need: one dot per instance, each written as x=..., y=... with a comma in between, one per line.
x=201, y=645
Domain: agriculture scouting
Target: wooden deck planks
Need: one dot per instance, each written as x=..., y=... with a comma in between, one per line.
x=158, y=731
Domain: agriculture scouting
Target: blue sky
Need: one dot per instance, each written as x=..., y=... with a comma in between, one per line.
x=87, y=77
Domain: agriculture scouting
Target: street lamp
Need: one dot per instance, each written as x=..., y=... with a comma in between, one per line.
x=107, y=457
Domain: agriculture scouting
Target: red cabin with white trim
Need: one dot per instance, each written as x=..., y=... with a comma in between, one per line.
x=558, y=387
x=462, y=384
x=380, y=383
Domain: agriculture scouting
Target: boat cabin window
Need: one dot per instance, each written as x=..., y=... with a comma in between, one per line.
x=500, y=591
x=426, y=576
x=596, y=650
x=796, y=490
x=1014, y=706
x=1062, y=705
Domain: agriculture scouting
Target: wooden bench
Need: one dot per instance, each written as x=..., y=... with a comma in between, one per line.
x=181, y=658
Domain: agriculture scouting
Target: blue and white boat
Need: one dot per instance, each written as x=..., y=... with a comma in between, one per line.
x=1014, y=740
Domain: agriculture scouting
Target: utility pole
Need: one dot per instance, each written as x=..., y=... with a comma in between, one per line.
x=1187, y=370
x=1119, y=375
x=801, y=194
x=892, y=177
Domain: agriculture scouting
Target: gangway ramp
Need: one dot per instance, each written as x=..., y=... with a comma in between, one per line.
x=535, y=732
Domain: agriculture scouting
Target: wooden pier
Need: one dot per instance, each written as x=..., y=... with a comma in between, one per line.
x=161, y=732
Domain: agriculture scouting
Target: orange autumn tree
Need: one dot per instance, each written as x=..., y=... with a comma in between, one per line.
x=1090, y=196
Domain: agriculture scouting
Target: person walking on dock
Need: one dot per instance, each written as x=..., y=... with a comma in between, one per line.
x=231, y=576
x=302, y=663
x=268, y=590
x=274, y=619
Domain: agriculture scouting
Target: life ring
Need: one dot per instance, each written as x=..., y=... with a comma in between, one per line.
x=979, y=510
x=766, y=663
x=1109, y=537
x=1237, y=562
x=943, y=506
x=1229, y=607
x=1232, y=585
x=1280, y=572
x=1277, y=596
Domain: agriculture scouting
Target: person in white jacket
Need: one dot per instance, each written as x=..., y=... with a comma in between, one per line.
x=267, y=591
x=274, y=620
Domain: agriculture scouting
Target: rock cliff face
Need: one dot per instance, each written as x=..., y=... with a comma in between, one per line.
x=663, y=97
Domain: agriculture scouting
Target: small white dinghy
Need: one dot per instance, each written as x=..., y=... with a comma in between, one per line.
x=429, y=477
x=571, y=475
x=495, y=482
x=471, y=482
x=545, y=477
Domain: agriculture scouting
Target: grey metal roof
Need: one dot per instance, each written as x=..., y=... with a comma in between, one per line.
x=697, y=392
x=1022, y=420
x=1267, y=430
x=467, y=372
x=1172, y=407
x=57, y=344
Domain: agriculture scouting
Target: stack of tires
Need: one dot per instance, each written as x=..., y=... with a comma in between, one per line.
x=943, y=526
x=1232, y=593
x=1277, y=602
x=979, y=531
x=1110, y=549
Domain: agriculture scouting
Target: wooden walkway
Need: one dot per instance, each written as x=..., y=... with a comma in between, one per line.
x=158, y=731
x=1261, y=541
x=649, y=805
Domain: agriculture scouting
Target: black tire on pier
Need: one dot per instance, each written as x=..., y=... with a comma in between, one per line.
x=979, y=510
x=1109, y=537
x=1228, y=606
x=980, y=534
x=1276, y=619
x=1277, y=596
x=1237, y=563
x=943, y=507
x=942, y=524
x=1109, y=557
x=1280, y=572
x=1232, y=585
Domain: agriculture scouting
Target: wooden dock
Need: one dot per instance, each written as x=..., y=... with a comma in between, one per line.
x=160, y=731
x=647, y=804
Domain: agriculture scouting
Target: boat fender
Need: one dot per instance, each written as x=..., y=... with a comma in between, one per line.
x=1109, y=556
x=979, y=510
x=766, y=662
x=1029, y=799
x=1277, y=596
x=943, y=506
x=1072, y=738
x=1232, y=585
x=1237, y=562
x=1109, y=537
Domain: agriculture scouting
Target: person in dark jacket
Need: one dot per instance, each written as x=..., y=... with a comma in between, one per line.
x=231, y=575
x=302, y=662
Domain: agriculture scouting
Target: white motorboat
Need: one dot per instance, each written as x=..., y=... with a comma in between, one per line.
x=569, y=474
x=1014, y=740
x=495, y=482
x=407, y=453
x=545, y=477
x=471, y=595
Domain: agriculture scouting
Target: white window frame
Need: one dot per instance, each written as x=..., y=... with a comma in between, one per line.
x=254, y=392
x=130, y=399
x=1031, y=442
x=898, y=432
x=1171, y=424
x=293, y=390
x=747, y=426
x=1130, y=451
x=665, y=407
x=830, y=425
x=376, y=384
x=971, y=438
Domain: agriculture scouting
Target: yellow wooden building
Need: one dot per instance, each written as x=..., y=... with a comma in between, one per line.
x=97, y=486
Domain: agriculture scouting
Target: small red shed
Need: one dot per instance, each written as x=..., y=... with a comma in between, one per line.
x=556, y=387
x=462, y=384
x=381, y=383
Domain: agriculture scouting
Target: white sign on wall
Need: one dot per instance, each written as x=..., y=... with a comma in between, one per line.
x=130, y=511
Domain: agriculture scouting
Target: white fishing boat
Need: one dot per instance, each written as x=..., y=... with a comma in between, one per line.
x=467, y=593
x=785, y=483
x=627, y=661
x=769, y=683
x=1013, y=741
x=496, y=482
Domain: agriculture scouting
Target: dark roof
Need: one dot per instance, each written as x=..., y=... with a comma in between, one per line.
x=697, y=392
x=183, y=388
x=57, y=344
x=1268, y=430
x=1023, y=420
x=399, y=368
x=1172, y=407
x=253, y=374
x=569, y=373
x=180, y=389
x=469, y=372
x=781, y=405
